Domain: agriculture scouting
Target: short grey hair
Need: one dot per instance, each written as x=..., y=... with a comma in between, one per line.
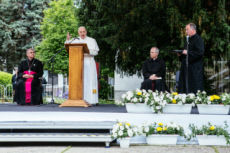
x=28, y=50
x=156, y=51
x=192, y=25
x=81, y=27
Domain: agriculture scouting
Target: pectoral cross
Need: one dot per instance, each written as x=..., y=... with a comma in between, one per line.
x=29, y=71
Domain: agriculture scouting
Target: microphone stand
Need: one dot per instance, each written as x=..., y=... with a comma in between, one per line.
x=52, y=59
x=187, y=68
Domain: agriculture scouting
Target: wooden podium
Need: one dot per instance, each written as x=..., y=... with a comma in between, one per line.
x=76, y=75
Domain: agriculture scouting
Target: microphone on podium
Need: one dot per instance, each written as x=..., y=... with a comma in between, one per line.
x=187, y=38
x=76, y=38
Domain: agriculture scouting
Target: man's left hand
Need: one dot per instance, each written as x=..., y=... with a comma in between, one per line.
x=184, y=52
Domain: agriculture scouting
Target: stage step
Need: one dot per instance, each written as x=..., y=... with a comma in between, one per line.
x=58, y=131
x=57, y=124
x=56, y=137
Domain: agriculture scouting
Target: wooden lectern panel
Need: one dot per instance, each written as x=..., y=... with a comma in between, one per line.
x=76, y=75
x=76, y=72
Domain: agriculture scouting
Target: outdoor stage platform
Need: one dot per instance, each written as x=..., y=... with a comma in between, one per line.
x=50, y=123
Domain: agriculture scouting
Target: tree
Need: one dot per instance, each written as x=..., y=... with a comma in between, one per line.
x=127, y=29
x=59, y=19
x=19, y=29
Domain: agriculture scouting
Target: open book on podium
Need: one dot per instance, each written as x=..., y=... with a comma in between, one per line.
x=76, y=75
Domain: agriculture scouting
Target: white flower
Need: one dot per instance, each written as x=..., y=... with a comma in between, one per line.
x=209, y=102
x=120, y=133
x=144, y=134
x=123, y=96
x=203, y=92
x=135, y=99
x=140, y=99
x=122, y=127
x=127, y=127
x=146, y=100
x=150, y=91
x=152, y=102
x=115, y=135
x=157, y=99
x=146, y=129
x=158, y=107
x=128, y=97
x=135, y=129
x=223, y=98
x=180, y=103
x=130, y=133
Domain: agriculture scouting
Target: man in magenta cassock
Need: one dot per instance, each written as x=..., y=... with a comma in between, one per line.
x=29, y=90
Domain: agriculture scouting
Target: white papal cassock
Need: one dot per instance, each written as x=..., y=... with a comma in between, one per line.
x=90, y=72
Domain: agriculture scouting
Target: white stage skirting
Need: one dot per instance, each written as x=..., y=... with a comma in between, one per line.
x=136, y=119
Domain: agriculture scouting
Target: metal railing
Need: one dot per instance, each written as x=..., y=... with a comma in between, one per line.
x=6, y=93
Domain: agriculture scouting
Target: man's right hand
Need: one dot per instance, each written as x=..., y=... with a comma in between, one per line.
x=152, y=77
x=178, y=54
x=68, y=36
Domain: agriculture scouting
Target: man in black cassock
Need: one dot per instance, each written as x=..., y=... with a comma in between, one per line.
x=29, y=90
x=153, y=71
x=195, y=62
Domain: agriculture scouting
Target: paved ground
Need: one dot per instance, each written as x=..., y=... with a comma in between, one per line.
x=116, y=149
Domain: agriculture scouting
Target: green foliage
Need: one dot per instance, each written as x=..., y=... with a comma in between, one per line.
x=19, y=29
x=104, y=89
x=102, y=101
x=5, y=78
x=127, y=29
x=59, y=19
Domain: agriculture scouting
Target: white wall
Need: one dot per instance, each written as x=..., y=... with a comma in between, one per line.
x=122, y=85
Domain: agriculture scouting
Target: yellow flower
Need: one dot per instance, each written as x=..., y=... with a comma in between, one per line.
x=212, y=128
x=211, y=98
x=120, y=124
x=160, y=124
x=159, y=129
x=165, y=129
x=216, y=97
x=128, y=124
x=139, y=93
x=174, y=101
x=175, y=93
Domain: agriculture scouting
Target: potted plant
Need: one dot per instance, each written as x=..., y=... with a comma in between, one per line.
x=137, y=101
x=124, y=131
x=162, y=134
x=179, y=103
x=210, y=134
x=213, y=104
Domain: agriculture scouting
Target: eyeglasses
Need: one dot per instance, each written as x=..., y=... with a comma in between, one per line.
x=32, y=52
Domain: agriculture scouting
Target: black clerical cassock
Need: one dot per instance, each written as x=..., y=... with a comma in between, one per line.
x=158, y=68
x=195, y=66
x=35, y=68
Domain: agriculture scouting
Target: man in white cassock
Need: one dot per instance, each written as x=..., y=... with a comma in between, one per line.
x=90, y=72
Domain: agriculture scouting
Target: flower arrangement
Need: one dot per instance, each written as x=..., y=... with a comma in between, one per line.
x=210, y=129
x=136, y=96
x=180, y=99
x=123, y=130
x=160, y=128
x=225, y=99
x=157, y=101
x=202, y=98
